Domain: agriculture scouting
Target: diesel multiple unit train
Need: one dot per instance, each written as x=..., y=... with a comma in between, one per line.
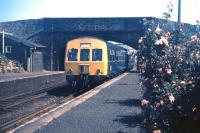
x=90, y=59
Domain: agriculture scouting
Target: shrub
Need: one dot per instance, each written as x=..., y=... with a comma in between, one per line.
x=170, y=70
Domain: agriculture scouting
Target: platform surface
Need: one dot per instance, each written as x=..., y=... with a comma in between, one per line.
x=115, y=109
x=14, y=76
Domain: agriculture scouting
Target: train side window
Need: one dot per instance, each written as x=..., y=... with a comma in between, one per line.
x=110, y=54
x=114, y=55
x=113, y=58
x=72, y=54
x=97, y=55
x=110, y=57
x=85, y=55
x=118, y=55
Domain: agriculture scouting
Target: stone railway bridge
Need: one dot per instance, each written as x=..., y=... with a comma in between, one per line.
x=55, y=32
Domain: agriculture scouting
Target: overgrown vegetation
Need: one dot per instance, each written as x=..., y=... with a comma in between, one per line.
x=170, y=70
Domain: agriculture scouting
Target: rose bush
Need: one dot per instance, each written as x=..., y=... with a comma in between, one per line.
x=170, y=70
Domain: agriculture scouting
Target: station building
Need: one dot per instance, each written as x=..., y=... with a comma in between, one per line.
x=28, y=54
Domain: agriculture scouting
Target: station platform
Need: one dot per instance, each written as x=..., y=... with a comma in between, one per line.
x=112, y=107
x=12, y=84
x=14, y=76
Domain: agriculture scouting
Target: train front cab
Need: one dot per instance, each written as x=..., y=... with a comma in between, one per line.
x=86, y=59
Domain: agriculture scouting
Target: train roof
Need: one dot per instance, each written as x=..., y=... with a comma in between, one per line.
x=87, y=37
x=128, y=48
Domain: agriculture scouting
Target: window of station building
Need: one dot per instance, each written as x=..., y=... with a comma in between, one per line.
x=85, y=55
x=72, y=54
x=8, y=49
x=97, y=55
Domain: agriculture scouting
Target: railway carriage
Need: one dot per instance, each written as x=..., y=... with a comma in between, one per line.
x=92, y=59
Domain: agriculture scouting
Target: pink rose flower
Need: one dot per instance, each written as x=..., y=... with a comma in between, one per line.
x=164, y=41
x=156, y=131
x=168, y=70
x=144, y=102
x=161, y=102
x=194, y=39
x=190, y=82
x=171, y=99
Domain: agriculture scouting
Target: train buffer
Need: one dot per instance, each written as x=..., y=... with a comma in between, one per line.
x=113, y=107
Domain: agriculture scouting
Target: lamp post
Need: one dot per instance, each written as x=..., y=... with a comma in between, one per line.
x=179, y=11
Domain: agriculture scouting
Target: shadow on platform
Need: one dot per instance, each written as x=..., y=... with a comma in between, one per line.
x=128, y=102
x=134, y=120
x=130, y=120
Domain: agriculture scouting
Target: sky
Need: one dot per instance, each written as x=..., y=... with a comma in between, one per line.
x=11, y=10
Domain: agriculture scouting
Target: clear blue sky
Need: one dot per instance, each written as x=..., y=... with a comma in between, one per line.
x=30, y=9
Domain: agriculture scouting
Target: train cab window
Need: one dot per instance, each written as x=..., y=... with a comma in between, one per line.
x=97, y=55
x=72, y=54
x=85, y=55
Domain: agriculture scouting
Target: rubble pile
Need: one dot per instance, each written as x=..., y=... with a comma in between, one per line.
x=9, y=66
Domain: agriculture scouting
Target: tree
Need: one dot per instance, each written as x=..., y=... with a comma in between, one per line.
x=167, y=14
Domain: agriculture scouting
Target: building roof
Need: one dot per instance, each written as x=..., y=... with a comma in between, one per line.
x=23, y=41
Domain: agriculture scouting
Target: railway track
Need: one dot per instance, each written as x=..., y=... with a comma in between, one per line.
x=23, y=109
x=15, y=114
x=21, y=101
x=31, y=92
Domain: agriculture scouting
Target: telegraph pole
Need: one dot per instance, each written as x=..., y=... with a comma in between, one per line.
x=179, y=11
x=3, y=42
x=51, y=55
x=52, y=48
